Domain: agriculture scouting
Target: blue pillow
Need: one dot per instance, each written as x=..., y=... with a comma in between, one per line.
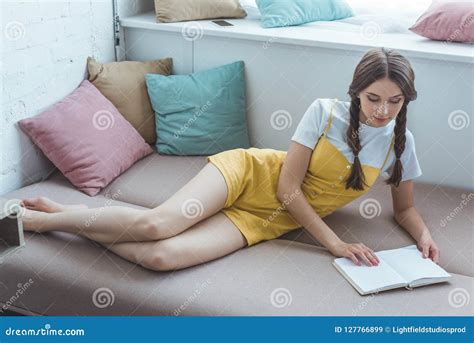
x=202, y=113
x=277, y=13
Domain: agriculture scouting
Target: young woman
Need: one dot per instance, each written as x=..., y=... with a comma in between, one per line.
x=245, y=196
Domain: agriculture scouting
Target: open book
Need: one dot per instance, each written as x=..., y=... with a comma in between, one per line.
x=404, y=267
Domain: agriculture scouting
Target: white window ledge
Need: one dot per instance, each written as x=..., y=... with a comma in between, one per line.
x=318, y=34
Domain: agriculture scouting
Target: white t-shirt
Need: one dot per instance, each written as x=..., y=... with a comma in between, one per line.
x=374, y=141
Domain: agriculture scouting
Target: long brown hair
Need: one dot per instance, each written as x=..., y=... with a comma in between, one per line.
x=376, y=64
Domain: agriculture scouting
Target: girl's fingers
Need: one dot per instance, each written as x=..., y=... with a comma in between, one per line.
x=372, y=254
x=365, y=254
x=374, y=259
x=425, y=251
x=366, y=260
x=370, y=257
x=353, y=258
x=434, y=255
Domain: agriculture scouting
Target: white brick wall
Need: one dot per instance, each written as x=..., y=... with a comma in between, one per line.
x=44, y=46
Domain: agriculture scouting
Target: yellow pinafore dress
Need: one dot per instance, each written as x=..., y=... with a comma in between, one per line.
x=252, y=176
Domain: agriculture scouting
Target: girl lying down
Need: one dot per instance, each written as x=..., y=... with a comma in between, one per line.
x=246, y=196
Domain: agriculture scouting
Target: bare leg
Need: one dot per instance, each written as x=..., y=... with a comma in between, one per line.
x=104, y=224
x=207, y=240
x=201, y=197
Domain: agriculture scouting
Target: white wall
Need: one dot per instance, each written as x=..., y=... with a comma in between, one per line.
x=44, y=46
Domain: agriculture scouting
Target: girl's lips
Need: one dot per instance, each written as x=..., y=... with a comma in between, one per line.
x=380, y=120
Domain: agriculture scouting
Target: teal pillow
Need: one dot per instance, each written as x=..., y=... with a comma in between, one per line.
x=202, y=113
x=277, y=13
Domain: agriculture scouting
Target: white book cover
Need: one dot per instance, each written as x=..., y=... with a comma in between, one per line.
x=403, y=267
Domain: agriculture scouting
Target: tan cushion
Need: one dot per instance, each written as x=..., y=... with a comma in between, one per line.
x=123, y=83
x=155, y=178
x=168, y=11
x=67, y=269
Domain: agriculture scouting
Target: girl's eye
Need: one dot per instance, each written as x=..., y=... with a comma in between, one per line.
x=376, y=100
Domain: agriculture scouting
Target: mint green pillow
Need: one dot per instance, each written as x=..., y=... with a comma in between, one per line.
x=278, y=13
x=202, y=113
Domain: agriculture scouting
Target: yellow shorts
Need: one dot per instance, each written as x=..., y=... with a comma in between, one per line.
x=252, y=176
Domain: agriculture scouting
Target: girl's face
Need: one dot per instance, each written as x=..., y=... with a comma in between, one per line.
x=380, y=103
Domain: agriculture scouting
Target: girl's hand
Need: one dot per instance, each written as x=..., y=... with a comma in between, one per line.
x=355, y=251
x=428, y=247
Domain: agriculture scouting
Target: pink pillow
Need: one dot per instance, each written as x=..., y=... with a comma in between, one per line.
x=86, y=138
x=451, y=21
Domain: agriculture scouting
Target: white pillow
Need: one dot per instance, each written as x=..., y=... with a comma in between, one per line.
x=390, y=8
x=250, y=6
x=382, y=23
x=387, y=16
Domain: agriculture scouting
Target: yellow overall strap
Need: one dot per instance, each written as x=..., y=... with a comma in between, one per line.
x=388, y=152
x=326, y=129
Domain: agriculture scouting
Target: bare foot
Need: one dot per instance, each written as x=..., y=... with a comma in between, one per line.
x=44, y=204
x=32, y=220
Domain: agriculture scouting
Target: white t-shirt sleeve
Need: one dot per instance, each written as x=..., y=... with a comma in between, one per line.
x=310, y=126
x=411, y=166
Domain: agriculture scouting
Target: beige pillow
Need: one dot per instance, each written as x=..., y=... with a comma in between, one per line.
x=168, y=11
x=123, y=83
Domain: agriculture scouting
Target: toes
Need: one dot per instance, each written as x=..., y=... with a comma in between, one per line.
x=41, y=204
x=28, y=202
x=31, y=201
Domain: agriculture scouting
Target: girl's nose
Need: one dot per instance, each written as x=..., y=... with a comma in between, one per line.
x=383, y=108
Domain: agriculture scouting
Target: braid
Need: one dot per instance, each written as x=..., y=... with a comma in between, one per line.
x=377, y=64
x=356, y=178
x=399, y=146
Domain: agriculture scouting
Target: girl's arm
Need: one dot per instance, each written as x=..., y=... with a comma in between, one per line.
x=407, y=217
x=291, y=177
